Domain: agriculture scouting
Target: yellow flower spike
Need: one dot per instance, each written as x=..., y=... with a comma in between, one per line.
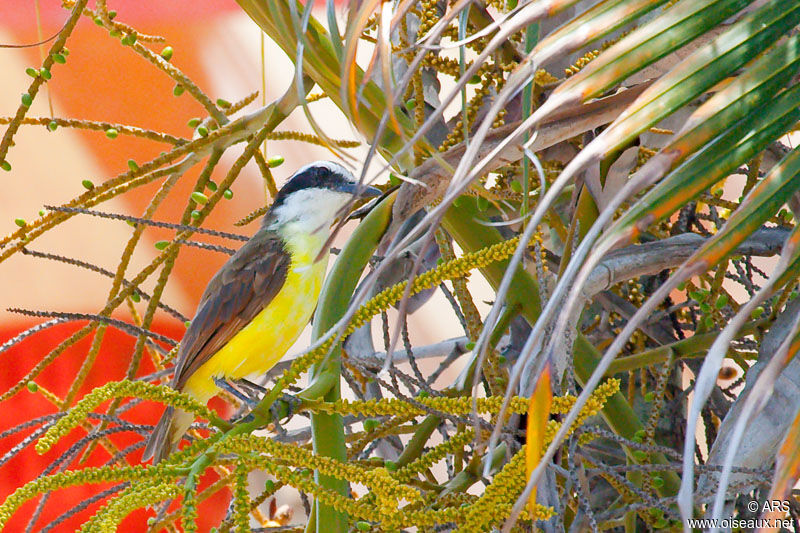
x=589, y=56
x=386, y=490
x=309, y=138
x=388, y=493
x=298, y=457
x=119, y=389
x=593, y=406
x=581, y=62
x=93, y=475
x=365, y=438
x=457, y=133
x=494, y=505
x=304, y=482
x=241, y=498
x=542, y=77
x=431, y=517
x=435, y=455
x=454, y=406
x=190, y=512
x=430, y=16
x=507, y=485
x=448, y=270
x=451, y=66
x=134, y=497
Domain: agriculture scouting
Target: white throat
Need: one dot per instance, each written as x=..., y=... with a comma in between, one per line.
x=309, y=211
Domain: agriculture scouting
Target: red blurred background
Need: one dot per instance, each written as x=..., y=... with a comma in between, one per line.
x=217, y=46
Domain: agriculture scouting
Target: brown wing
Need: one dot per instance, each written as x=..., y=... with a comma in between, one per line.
x=235, y=295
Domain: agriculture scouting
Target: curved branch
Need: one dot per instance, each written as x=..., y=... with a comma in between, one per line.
x=653, y=257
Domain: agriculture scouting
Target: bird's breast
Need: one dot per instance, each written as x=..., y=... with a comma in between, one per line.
x=265, y=340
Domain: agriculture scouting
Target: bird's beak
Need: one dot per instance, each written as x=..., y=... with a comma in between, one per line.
x=360, y=190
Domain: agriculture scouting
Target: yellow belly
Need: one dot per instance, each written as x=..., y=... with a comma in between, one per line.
x=262, y=343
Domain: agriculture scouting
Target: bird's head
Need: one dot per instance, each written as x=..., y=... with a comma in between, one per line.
x=315, y=195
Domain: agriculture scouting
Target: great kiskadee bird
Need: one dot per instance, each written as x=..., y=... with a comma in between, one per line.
x=258, y=303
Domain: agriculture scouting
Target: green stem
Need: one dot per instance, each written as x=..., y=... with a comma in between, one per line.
x=472, y=474
x=585, y=215
x=319, y=387
x=531, y=38
x=416, y=445
x=327, y=430
x=694, y=346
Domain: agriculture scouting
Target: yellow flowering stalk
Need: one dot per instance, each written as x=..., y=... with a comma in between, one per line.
x=120, y=389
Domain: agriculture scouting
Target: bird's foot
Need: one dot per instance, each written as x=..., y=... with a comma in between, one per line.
x=250, y=393
x=243, y=393
x=254, y=389
x=285, y=407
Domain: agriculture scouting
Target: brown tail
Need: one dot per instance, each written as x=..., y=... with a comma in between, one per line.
x=167, y=434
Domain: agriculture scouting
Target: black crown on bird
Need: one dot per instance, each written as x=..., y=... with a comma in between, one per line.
x=322, y=175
